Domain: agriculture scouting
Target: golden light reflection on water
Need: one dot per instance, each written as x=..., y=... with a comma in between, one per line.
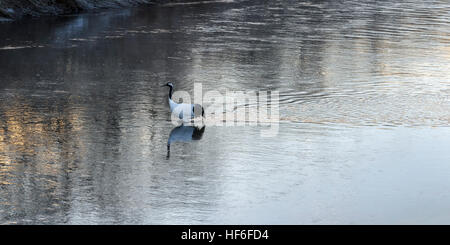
x=36, y=144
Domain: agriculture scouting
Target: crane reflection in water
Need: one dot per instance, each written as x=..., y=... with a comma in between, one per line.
x=184, y=133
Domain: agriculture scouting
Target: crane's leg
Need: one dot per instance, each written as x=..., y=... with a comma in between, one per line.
x=168, y=151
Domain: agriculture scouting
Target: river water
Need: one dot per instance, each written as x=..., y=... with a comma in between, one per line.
x=362, y=137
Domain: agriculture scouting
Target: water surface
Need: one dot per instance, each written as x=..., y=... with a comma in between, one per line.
x=364, y=113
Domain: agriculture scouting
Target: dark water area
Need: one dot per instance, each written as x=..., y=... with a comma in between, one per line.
x=363, y=130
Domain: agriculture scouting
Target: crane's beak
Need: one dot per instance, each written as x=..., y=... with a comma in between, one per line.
x=164, y=85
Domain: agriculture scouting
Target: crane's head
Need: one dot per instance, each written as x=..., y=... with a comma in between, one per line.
x=169, y=84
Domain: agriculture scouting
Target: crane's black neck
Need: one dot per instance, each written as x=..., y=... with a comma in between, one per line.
x=170, y=92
